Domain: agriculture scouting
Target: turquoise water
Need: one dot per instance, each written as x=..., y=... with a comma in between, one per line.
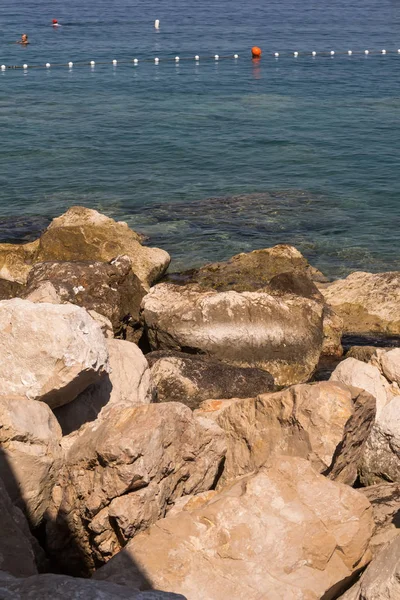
x=211, y=159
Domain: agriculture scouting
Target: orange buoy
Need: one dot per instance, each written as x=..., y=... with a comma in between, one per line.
x=256, y=52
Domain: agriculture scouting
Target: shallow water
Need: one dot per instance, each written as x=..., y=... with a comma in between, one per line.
x=212, y=159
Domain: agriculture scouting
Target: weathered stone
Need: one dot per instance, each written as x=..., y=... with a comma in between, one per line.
x=121, y=474
x=381, y=453
x=62, y=587
x=385, y=501
x=250, y=271
x=304, y=420
x=367, y=377
x=333, y=331
x=105, y=324
x=16, y=551
x=111, y=289
x=16, y=260
x=30, y=454
x=48, y=352
x=190, y=379
x=381, y=580
x=363, y=353
x=10, y=289
x=282, y=335
x=285, y=532
x=349, y=453
x=44, y=292
x=367, y=302
x=129, y=383
x=390, y=363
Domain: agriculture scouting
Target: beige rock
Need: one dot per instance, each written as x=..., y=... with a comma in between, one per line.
x=381, y=453
x=280, y=334
x=44, y=292
x=16, y=260
x=381, y=580
x=105, y=324
x=122, y=473
x=62, y=587
x=30, y=454
x=333, y=331
x=285, y=532
x=385, y=501
x=367, y=302
x=390, y=363
x=367, y=377
x=304, y=420
x=129, y=383
x=49, y=352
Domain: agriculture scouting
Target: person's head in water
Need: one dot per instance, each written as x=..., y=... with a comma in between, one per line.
x=56, y=23
x=24, y=39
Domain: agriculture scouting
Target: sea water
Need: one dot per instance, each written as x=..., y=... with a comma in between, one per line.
x=214, y=158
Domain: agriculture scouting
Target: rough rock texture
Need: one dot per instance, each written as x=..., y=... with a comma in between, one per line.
x=363, y=353
x=390, y=364
x=30, y=454
x=44, y=292
x=121, y=474
x=10, y=289
x=381, y=454
x=129, y=383
x=349, y=453
x=111, y=289
x=16, y=551
x=280, y=334
x=367, y=377
x=190, y=379
x=367, y=302
x=48, y=352
x=285, y=532
x=62, y=587
x=381, y=580
x=385, y=501
x=250, y=271
x=304, y=420
x=333, y=331
x=83, y=234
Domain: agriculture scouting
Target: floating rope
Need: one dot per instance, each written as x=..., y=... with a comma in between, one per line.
x=216, y=57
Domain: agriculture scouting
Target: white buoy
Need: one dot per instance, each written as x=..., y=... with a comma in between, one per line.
x=157, y=23
x=236, y=56
x=176, y=58
x=276, y=54
x=3, y=67
x=70, y=64
x=197, y=57
x=314, y=53
x=25, y=66
x=156, y=60
x=295, y=54
x=332, y=52
x=135, y=61
x=383, y=51
x=349, y=52
x=216, y=57
x=115, y=62
x=48, y=65
x=366, y=52
x=398, y=50
x=92, y=63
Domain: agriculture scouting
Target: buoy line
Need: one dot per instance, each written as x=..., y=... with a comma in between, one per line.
x=216, y=57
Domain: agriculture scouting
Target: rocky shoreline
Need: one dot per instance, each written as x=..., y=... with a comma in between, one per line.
x=165, y=431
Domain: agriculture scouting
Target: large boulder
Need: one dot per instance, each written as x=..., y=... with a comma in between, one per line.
x=83, y=234
x=381, y=580
x=17, y=555
x=390, y=365
x=285, y=532
x=48, y=352
x=281, y=334
x=381, y=453
x=110, y=289
x=120, y=475
x=367, y=377
x=367, y=302
x=190, y=379
x=129, y=383
x=62, y=587
x=304, y=420
x=385, y=501
x=30, y=455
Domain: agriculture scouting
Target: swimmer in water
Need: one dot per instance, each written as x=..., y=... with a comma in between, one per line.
x=24, y=40
x=56, y=23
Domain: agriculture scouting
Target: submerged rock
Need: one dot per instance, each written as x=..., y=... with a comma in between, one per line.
x=284, y=532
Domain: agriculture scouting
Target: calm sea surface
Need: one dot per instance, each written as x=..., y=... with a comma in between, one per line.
x=211, y=159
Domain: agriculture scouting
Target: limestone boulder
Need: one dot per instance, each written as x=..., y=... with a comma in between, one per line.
x=385, y=501
x=281, y=334
x=190, y=379
x=128, y=383
x=367, y=302
x=304, y=420
x=111, y=289
x=390, y=363
x=381, y=453
x=48, y=352
x=121, y=474
x=17, y=555
x=30, y=454
x=362, y=375
x=381, y=580
x=284, y=532
x=62, y=587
